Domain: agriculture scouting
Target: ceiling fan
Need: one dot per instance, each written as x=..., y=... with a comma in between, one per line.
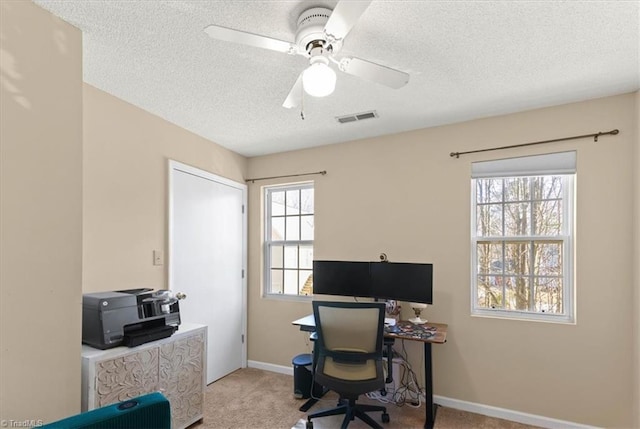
x=319, y=37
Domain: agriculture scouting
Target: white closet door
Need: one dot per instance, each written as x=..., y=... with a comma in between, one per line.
x=207, y=256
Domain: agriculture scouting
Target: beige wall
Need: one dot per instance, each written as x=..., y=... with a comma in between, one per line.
x=636, y=265
x=40, y=214
x=403, y=195
x=126, y=153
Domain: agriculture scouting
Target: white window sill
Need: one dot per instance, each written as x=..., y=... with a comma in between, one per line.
x=286, y=297
x=523, y=316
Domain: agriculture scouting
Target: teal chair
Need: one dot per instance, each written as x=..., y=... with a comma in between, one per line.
x=149, y=411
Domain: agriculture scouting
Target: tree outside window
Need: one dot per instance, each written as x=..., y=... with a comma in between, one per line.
x=522, y=238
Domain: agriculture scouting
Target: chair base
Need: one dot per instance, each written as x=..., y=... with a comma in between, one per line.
x=351, y=410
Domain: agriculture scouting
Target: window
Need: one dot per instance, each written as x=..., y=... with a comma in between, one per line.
x=288, y=249
x=522, y=235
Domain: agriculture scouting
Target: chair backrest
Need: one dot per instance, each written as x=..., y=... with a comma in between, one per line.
x=350, y=337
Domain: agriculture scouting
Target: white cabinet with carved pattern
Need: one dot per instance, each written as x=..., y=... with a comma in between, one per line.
x=174, y=366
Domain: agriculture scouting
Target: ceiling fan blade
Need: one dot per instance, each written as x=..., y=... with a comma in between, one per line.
x=237, y=36
x=344, y=17
x=374, y=72
x=293, y=99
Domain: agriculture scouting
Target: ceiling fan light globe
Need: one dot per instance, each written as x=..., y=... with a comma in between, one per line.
x=319, y=80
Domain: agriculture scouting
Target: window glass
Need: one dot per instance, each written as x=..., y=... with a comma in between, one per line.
x=306, y=257
x=305, y=282
x=277, y=228
x=277, y=259
x=293, y=228
x=277, y=281
x=306, y=227
x=293, y=202
x=291, y=282
x=522, y=241
x=289, y=232
x=277, y=203
x=291, y=257
x=489, y=220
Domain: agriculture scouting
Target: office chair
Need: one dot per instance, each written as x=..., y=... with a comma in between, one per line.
x=349, y=357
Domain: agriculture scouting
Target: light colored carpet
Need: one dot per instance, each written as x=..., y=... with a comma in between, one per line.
x=252, y=398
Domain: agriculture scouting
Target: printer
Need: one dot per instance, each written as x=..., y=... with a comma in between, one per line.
x=128, y=317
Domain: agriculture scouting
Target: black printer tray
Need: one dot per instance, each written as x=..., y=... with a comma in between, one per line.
x=140, y=336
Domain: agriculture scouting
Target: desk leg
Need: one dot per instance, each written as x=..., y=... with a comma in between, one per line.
x=430, y=410
x=389, y=344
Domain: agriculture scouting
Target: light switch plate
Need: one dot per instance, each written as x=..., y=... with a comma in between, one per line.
x=158, y=258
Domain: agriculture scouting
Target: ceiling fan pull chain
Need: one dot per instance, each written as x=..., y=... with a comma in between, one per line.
x=301, y=103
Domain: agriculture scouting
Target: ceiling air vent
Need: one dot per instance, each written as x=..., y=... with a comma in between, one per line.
x=356, y=117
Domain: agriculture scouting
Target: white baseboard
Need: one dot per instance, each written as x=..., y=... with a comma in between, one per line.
x=288, y=370
x=511, y=415
x=472, y=407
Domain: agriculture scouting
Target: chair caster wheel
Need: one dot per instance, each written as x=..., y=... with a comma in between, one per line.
x=309, y=425
x=385, y=418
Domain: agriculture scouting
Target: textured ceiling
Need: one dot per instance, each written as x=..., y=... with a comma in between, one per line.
x=467, y=60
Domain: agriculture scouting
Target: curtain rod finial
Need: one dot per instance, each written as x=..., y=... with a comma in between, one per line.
x=456, y=154
x=600, y=133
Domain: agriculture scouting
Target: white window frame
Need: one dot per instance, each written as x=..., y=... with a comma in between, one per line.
x=534, y=166
x=269, y=243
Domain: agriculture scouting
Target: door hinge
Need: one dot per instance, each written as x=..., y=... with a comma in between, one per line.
x=243, y=209
x=242, y=338
x=243, y=273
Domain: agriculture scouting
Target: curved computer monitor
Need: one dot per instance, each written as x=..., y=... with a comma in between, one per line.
x=344, y=278
x=402, y=281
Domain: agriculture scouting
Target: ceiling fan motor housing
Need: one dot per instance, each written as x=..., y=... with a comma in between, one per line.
x=311, y=28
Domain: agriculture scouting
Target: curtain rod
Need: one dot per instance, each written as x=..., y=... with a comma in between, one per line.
x=323, y=172
x=594, y=135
